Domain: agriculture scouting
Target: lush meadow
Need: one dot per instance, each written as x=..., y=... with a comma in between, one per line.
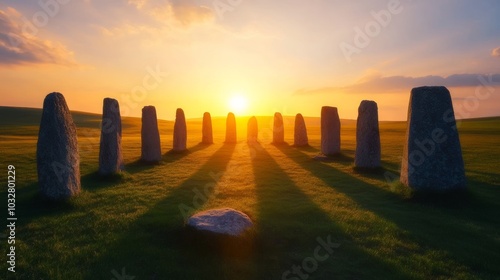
x=135, y=221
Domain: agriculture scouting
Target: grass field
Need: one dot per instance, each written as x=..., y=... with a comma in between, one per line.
x=133, y=223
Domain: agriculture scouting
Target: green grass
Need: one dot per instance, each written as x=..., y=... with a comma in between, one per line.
x=133, y=220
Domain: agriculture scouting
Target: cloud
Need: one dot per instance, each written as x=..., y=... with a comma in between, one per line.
x=188, y=15
x=379, y=84
x=495, y=52
x=129, y=29
x=183, y=12
x=137, y=3
x=19, y=43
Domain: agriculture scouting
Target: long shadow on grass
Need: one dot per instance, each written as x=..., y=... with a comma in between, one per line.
x=95, y=181
x=289, y=223
x=307, y=148
x=157, y=245
x=173, y=156
x=462, y=224
x=139, y=166
x=30, y=205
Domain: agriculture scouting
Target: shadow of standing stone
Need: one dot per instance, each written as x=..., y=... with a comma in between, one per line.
x=150, y=136
x=110, y=152
x=58, y=161
x=180, y=132
x=367, y=136
x=252, y=130
x=330, y=131
x=206, y=130
x=300, y=138
x=231, y=129
x=432, y=155
x=278, y=129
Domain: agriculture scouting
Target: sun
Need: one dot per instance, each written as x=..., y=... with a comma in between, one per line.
x=238, y=104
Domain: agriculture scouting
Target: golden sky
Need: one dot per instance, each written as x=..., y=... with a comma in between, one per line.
x=252, y=57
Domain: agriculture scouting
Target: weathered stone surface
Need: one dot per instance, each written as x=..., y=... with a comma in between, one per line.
x=206, y=130
x=278, y=129
x=150, y=136
x=252, y=130
x=231, y=129
x=110, y=152
x=300, y=138
x=432, y=155
x=180, y=132
x=330, y=131
x=58, y=161
x=367, y=136
x=224, y=221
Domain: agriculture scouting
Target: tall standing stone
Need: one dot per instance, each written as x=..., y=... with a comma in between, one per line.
x=150, y=136
x=206, y=129
x=180, y=132
x=230, y=129
x=367, y=136
x=300, y=138
x=58, y=161
x=278, y=129
x=110, y=152
x=252, y=130
x=432, y=155
x=330, y=131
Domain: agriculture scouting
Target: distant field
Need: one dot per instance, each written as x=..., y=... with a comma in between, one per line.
x=134, y=222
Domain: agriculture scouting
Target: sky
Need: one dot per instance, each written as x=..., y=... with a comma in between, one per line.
x=251, y=57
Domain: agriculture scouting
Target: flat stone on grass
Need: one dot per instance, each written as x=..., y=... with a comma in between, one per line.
x=224, y=221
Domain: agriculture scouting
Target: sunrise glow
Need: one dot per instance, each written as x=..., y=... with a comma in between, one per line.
x=295, y=55
x=238, y=104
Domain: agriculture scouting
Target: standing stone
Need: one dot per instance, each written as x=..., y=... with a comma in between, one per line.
x=150, y=136
x=300, y=138
x=432, y=155
x=110, y=152
x=180, y=132
x=58, y=162
x=230, y=129
x=278, y=129
x=330, y=131
x=367, y=136
x=253, y=130
x=206, y=130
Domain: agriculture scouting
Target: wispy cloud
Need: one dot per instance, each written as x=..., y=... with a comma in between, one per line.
x=379, y=84
x=19, y=47
x=495, y=52
x=183, y=12
x=137, y=3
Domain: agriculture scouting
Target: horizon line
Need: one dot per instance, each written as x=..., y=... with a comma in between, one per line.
x=237, y=116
